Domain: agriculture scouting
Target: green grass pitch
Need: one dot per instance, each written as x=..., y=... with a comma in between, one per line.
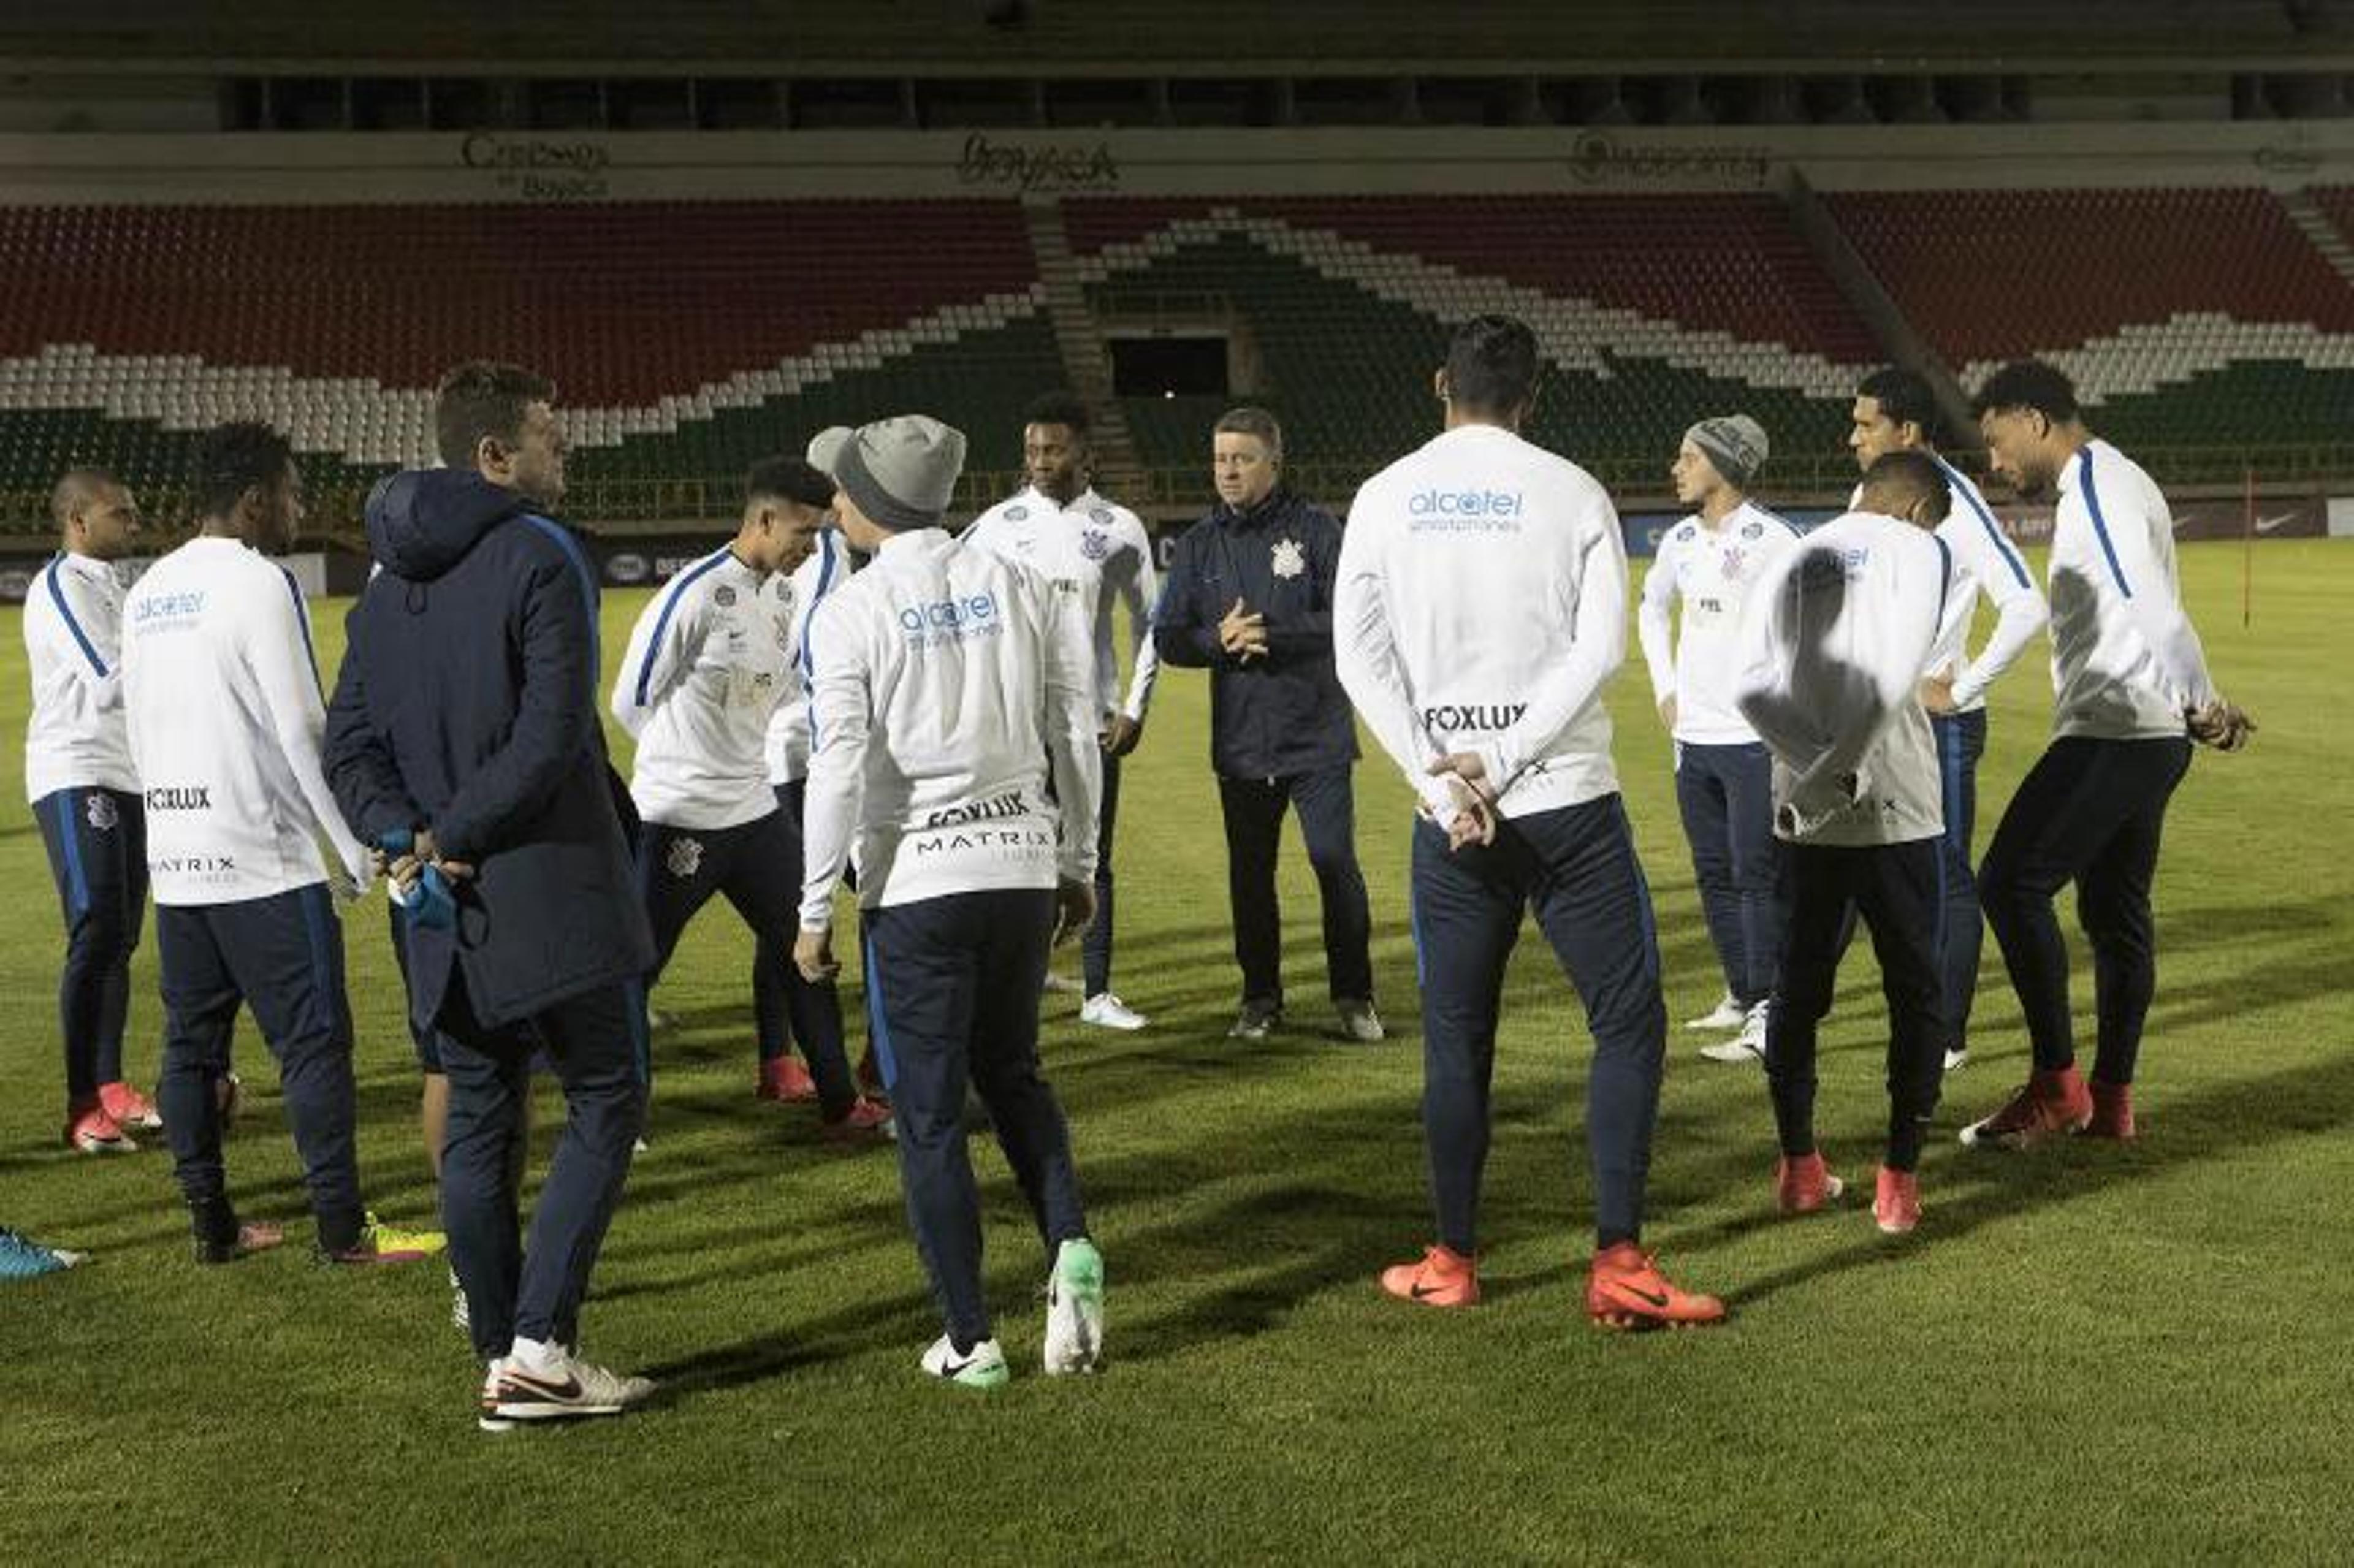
x=2122, y=1354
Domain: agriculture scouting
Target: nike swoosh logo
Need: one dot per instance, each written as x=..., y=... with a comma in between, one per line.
x=568, y=1389
x=2266, y=524
x=950, y=1369
x=1658, y=1303
x=1421, y=1292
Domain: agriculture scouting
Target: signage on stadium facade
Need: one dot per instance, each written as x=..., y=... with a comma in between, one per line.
x=541, y=168
x=1037, y=166
x=1598, y=158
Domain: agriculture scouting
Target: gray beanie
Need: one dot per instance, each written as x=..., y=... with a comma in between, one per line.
x=901, y=471
x=825, y=448
x=1735, y=443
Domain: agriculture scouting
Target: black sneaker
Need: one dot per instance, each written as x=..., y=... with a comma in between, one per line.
x=1257, y=1019
x=259, y=1236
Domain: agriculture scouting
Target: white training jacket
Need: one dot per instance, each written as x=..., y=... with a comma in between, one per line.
x=950, y=685
x=1105, y=551
x=75, y=738
x=827, y=568
x=1983, y=560
x=1831, y=652
x=221, y=691
x=1480, y=605
x=2125, y=663
x=709, y=660
x=1712, y=570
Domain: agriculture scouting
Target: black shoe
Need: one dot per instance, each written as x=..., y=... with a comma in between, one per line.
x=246, y=1240
x=1257, y=1019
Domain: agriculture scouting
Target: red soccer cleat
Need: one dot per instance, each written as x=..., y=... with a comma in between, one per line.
x=1625, y=1289
x=1802, y=1184
x=128, y=1106
x=785, y=1080
x=2051, y=1104
x=91, y=1131
x=867, y=1122
x=1896, y=1204
x=2112, y=1114
x=1444, y=1277
x=870, y=1077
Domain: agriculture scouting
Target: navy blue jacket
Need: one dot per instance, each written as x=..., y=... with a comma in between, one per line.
x=1285, y=714
x=468, y=704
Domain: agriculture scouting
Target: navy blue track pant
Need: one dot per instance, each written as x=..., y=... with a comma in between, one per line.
x=2091, y=812
x=594, y=1044
x=281, y=955
x=1576, y=869
x=1725, y=794
x=795, y=1009
x=97, y=841
x=1900, y=891
x=952, y=999
x=756, y=868
x=1326, y=802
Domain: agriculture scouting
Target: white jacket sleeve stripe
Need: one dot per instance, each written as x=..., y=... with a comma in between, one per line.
x=643, y=689
x=1961, y=486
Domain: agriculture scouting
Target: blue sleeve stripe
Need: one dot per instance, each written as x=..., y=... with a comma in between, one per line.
x=671, y=597
x=81, y=637
x=571, y=548
x=1944, y=576
x=2100, y=524
x=826, y=561
x=303, y=619
x=1976, y=503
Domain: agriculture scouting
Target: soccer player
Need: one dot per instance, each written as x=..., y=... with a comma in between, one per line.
x=222, y=698
x=1480, y=606
x=1249, y=598
x=85, y=795
x=2132, y=692
x=1830, y=653
x=1895, y=412
x=814, y=1008
x=1062, y=527
x=467, y=721
x=710, y=660
x=1710, y=561
x=955, y=741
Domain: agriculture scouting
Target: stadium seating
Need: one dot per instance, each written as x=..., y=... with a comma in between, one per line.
x=1656, y=310
x=2188, y=317
x=686, y=338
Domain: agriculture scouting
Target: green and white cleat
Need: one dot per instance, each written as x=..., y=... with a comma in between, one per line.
x=983, y=1367
x=1074, y=1309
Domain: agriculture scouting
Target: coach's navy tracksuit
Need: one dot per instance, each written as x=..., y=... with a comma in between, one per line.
x=1281, y=730
x=97, y=841
x=468, y=704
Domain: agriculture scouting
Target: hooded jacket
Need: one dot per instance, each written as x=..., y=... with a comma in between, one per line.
x=1285, y=714
x=468, y=704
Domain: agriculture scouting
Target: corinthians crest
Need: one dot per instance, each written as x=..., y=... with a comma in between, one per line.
x=686, y=857
x=102, y=815
x=1289, y=560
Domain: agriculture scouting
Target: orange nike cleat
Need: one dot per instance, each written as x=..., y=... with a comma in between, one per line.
x=1625, y=1289
x=1896, y=1202
x=128, y=1106
x=1444, y=1277
x=1802, y=1183
x=783, y=1078
x=2051, y=1104
x=2112, y=1113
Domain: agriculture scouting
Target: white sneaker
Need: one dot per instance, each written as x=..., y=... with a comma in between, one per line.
x=1059, y=985
x=557, y=1384
x=983, y=1367
x=1749, y=1045
x=1726, y=1014
x=1074, y=1309
x=1108, y=1012
x=1957, y=1060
